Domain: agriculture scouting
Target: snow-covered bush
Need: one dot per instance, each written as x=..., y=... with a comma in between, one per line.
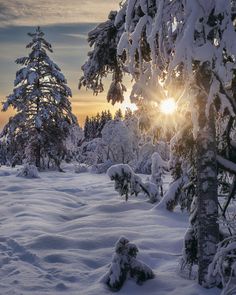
x=81, y=168
x=127, y=183
x=73, y=141
x=131, y=122
x=125, y=264
x=150, y=190
x=119, y=140
x=101, y=168
x=182, y=167
x=158, y=169
x=190, y=247
x=93, y=152
x=29, y=171
x=163, y=148
x=144, y=161
x=223, y=267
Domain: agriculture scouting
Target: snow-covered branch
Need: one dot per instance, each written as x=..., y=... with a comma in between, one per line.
x=226, y=164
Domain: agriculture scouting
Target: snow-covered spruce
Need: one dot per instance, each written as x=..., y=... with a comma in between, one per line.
x=124, y=265
x=44, y=115
x=28, y=171
x=127, y=183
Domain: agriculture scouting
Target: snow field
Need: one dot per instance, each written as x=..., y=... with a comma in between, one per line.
x=58, y=234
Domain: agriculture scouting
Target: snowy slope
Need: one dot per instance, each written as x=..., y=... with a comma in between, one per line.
x=58, y=234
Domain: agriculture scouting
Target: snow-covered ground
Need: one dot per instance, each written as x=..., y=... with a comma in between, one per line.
x=57, y=236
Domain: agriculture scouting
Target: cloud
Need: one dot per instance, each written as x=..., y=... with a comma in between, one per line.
x=79, y=36
x=42, y=12
x=66, y=25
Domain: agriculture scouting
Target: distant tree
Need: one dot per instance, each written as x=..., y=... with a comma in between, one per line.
x=109, y=116
x=86, y=128
x=118, y=115
x=40, y=97
x=93, y=126
x=128, y=114
x=3, y=151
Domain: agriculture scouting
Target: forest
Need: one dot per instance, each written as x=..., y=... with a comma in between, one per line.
x=140, y=201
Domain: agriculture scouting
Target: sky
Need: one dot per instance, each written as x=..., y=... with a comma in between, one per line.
x=66, y=25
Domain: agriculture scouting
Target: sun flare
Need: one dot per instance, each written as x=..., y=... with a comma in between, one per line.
x=168, y=106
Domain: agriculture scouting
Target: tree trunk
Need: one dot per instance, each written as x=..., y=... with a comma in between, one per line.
x=38, y=155
x=207, y=200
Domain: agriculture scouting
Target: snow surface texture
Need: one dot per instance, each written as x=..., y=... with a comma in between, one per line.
x=58, y=235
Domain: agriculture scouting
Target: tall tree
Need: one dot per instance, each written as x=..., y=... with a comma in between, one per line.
x=186, y=46
x=40, y=97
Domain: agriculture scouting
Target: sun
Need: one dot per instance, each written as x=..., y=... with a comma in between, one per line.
x=168, y=106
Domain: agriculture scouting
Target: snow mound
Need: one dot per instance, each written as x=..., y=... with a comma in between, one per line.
x=81, y=168
x=28, y=171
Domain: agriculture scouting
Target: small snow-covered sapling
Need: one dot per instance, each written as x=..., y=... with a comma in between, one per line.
x=159, y=166
x=127, y=183
x=125, y=264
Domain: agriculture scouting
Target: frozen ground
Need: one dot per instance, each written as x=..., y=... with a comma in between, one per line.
x=57, y=236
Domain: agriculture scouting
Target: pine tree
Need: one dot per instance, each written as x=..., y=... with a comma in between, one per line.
x=40, y=97
x=109, y=116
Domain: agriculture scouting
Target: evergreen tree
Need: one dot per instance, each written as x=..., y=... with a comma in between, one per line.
x=109, y=116
x=40, y=97
x=93, y=126
x=128, y=114
x=118, y=115
x=86, y=128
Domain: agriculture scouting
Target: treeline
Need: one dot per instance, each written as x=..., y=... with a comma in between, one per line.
x=93, y=125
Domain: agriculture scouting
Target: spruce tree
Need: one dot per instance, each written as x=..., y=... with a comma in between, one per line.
x=40, y=98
